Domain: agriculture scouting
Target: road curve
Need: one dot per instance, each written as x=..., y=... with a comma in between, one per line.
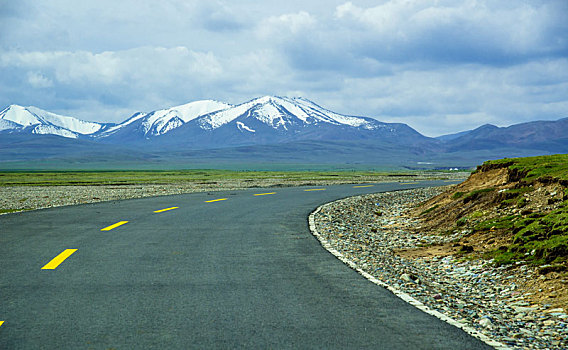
x=235, y=269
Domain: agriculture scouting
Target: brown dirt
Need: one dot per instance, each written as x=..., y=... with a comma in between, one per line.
x=551, y=289
x=480, y=242
x=440, y=215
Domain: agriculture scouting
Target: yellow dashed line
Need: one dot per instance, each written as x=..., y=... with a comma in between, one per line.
x=59, y=259
x=108, y=228
x=216, y=200
x=163, y=210
x=264, y=194
x=407, y=183
x=315, y=189
x=363, y=186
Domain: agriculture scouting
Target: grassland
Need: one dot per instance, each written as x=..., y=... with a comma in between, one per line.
x=536, y=168
x=511, y=210
x=116, y=178
x=28, y=190
x=539, y=236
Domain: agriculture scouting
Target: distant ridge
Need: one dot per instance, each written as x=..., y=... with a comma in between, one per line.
x=160, y=122
x=33, y=120
x=264, y=129
x=271, y=120
x=550, y=136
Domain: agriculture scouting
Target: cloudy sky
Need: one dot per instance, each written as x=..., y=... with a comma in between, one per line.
x=440, y=66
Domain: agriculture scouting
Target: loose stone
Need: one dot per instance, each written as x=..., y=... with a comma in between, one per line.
x=474, y=292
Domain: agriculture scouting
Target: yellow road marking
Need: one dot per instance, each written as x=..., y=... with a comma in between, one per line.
x=108, y=228
x=264, y=194
x=407, y=183
x=315, y=189
x=363, y=186
x=163, y=210
x=216, y=200
x=59, y=259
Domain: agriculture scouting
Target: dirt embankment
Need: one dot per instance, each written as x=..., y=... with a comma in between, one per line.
x=503, y=213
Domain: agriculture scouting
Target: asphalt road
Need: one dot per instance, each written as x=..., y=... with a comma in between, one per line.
x=244, y=272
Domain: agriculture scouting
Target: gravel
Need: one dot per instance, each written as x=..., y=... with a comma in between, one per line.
x=37, y=197
x=369, y=229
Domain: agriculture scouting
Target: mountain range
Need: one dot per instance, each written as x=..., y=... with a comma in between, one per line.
x=265, y=129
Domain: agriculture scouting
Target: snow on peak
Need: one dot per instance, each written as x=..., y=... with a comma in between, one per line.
x=192, y=110
x=242, y=126
x=53, y=130
x=161, y=121
x=279, y=112
x=19, y=115
x=164, y=120
x=46, y=122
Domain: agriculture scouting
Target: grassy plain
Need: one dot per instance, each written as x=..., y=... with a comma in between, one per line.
x=90, y=178
x=28, y=190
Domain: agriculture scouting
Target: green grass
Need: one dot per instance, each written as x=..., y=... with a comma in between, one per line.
x=458, y=195
x=538, y=238
x=533, y=168
x=514, y=192
x=506, y=222
x=61, y=178
x=430, y=209
x=6, y=211
x=473, y=195
x=476, y=214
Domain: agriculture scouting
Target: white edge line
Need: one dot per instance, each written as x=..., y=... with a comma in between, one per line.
x=402, y=295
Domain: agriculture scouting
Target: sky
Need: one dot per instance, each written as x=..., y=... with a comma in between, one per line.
x=440, y=66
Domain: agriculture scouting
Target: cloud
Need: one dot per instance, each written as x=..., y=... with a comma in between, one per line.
x=441, y=66
x=368, y=41
x=38, y=80
x=154, y=64
x=360, y=39
x=219, y=17
x=107, y=25
x=456, y=31
x=445, y=100
x=285, y=26
x=130, y=75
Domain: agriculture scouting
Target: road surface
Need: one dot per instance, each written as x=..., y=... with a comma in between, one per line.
x=235, y=269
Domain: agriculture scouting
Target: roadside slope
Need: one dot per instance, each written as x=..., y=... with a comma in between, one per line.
x=514, y=211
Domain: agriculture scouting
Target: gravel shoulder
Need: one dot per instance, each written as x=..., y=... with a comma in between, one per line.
x=370, y=230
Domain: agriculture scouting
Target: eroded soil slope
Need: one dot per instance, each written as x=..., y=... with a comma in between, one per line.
x=514, y=211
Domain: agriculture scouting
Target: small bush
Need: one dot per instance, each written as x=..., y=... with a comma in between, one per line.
x=461, y=222
x=430, y=209
x=458, y=195
x=473, y=195
x=476, y=215
x=521, y=202
x=506, y=222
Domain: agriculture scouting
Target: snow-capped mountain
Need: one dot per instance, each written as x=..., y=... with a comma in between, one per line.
x=33, y=120
x=211, y=124
x=271, y=119
x=160, y=122
x=281, y=113
x=263, y=130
